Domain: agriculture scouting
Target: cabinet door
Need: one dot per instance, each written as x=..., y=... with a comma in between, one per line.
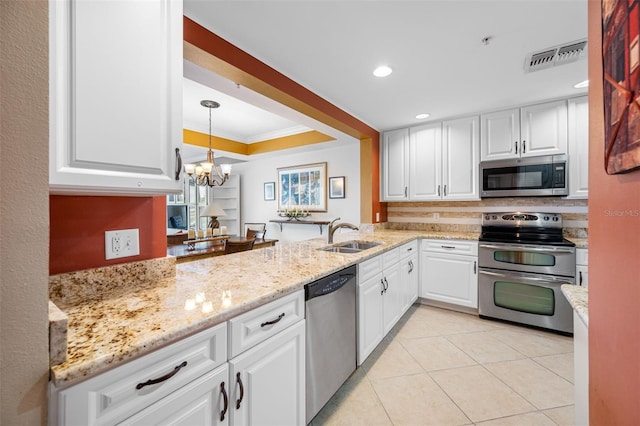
x=201, y=402
x=409, y=281
x=582, y=275
x=578, y=121
x=450, y=278
x=370, y=320
x=460, y=162
x=544, y=129
x=115, y=96
x=268, y=381
x=425, y=170
x=500, y=135
x=392, y=298
x=395, y=171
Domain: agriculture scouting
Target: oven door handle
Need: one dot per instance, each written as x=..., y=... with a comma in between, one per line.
x=526, y=248
x=525, y=276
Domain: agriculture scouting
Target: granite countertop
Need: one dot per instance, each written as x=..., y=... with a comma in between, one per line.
x=578, y=298
x=579, y=242
x=127, y=316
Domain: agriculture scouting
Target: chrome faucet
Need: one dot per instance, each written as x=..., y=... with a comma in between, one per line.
x=333, y=228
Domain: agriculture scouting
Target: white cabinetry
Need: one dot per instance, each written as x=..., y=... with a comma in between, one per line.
x=395, y=166
x=449, y=272
x=409, y=273
x=437, y=161
x=533, y=130
x=578, y=123
x=118, y=394
x=582, y=269
x=191, y=383
x=380, y=300
x=115, y=96
x=581, y=370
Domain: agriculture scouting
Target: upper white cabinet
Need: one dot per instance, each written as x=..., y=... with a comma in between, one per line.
x=437, y=161
x=578, y=133
x=115, y=96
x=460, y=164
x=525, y=132
x=395, y=166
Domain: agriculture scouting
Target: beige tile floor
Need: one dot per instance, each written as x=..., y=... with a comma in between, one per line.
x=439, y=367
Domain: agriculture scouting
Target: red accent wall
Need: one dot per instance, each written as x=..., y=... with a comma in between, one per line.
x=614, y=266
x=78, y=224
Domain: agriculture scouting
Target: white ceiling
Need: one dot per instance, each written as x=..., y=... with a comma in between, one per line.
x=435, y=48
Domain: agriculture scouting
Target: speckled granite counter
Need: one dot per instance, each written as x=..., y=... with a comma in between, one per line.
x=579, y=242
x=126, y=313
x=578, y=298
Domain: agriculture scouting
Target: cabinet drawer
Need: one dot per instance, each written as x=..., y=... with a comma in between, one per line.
x=369, y=268
x=257, y=325
x=582, y=257
x=408, y=249
x=451, y=246
x=113, y=396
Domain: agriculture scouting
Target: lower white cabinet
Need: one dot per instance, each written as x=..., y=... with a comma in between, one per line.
x=581, y=370
x=409, y=274
x=383, y=293
x=449, y=272
x=268, y=381
x=582, y=268
x=248, y=371
x=202, y=402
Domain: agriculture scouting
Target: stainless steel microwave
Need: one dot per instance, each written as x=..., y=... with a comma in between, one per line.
x=524, y=177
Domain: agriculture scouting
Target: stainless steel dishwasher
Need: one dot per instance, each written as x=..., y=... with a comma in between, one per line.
x=330, y=336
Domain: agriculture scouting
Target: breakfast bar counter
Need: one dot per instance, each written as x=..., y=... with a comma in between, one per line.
x=121, y=312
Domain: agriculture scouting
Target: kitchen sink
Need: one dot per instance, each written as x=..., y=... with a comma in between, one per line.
x=351, y=246
x=359, y=245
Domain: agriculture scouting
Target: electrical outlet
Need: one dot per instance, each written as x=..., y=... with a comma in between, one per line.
x=436, y=217
x=121, y=243
x=377, y=217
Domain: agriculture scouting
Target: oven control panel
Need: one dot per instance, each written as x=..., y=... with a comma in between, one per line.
x=517, y=219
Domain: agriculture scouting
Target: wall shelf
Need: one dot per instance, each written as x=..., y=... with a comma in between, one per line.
x=280, y=222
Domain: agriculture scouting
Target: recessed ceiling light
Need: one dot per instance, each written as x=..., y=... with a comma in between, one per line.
x=382, y=71
x=581, y=85
x=422, y=116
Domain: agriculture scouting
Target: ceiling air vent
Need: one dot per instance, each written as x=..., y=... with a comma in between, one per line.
x=554, y=56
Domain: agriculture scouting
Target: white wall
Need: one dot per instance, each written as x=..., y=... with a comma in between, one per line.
x=343, y=160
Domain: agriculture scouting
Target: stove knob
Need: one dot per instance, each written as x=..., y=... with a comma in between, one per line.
x=486, y=217
x=546, y=218
x=494, y=217
x=555, y=218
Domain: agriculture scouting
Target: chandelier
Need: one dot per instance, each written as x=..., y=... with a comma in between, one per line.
x=208, y=173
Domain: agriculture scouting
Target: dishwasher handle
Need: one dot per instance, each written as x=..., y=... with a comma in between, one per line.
x=329, y=284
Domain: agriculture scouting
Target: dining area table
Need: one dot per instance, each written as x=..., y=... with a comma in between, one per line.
x=187, y=250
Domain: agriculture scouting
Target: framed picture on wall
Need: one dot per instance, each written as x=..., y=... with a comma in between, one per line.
x=336, y=187
x=269, y=191
x=303, y=187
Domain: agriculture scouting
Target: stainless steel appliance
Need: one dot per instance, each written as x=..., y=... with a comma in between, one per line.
x=330, y=336
x=523, y=260
x=523, y=177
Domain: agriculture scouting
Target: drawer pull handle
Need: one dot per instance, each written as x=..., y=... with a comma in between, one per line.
x=383, y=289
x=226, y=401
x=448, y=247
x=410, y=266
x=163, y=378
x=239, y=382
x=266, y=323
x=386, y=287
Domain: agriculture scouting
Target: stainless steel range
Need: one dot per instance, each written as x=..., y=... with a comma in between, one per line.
x=523, y=260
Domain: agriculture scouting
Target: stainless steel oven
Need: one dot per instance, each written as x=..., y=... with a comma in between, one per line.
x=523, y=260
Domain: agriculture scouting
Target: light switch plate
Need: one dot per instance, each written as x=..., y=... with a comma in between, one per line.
x=121, y=243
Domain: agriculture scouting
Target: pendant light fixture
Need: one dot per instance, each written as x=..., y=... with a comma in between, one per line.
x=205, y=173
